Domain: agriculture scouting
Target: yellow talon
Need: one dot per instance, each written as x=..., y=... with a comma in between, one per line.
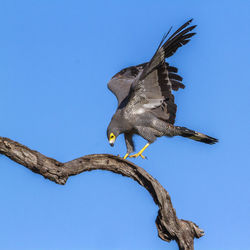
x=137, y=155
x=125, y=156
x=140, y=152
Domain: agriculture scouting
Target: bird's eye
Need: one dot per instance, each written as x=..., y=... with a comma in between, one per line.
x=111, y=136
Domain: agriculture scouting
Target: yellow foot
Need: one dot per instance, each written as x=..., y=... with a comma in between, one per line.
x=125, y=156
x=137, y=155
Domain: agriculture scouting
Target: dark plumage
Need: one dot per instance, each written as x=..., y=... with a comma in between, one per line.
x=145, y=101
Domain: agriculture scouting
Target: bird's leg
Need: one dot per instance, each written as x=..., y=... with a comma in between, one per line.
x=125, y=156
x=140, y=152
x=129, y=144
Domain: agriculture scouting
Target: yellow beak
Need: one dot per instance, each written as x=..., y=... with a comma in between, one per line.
x=112, y=142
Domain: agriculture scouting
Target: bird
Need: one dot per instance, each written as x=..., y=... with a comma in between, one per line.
x=146, y=105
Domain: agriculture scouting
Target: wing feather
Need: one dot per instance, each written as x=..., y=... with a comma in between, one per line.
x=155, y=83
x=175, y=41
x=122, y=81
x=148, y=87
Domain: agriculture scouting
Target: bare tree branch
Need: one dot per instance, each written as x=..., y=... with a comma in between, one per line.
x=168, y=225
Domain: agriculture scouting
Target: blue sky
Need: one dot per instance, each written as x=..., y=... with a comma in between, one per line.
x=56, y=58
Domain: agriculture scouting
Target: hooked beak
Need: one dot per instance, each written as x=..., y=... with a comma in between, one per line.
x=112, y=142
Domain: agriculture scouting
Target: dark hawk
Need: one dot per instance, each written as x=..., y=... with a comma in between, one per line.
x=146, y=104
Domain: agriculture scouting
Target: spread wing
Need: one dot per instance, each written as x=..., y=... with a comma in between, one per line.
x=121, y=82
x=166, y=79
x=152, y=89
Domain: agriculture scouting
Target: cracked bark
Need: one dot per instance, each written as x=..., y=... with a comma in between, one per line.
x=168, y=225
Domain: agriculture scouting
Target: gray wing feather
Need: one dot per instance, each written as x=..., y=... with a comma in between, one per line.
x=154, y=94
x=120, y=88
x=178, y=39
x=152, y=90
x=121, y=82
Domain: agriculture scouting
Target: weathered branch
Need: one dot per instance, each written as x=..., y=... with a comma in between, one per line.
x=168, y=225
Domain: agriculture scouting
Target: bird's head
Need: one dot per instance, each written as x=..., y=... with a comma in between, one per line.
x=112, y=134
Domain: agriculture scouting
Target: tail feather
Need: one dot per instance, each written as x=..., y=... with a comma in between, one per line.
x=191, y=134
